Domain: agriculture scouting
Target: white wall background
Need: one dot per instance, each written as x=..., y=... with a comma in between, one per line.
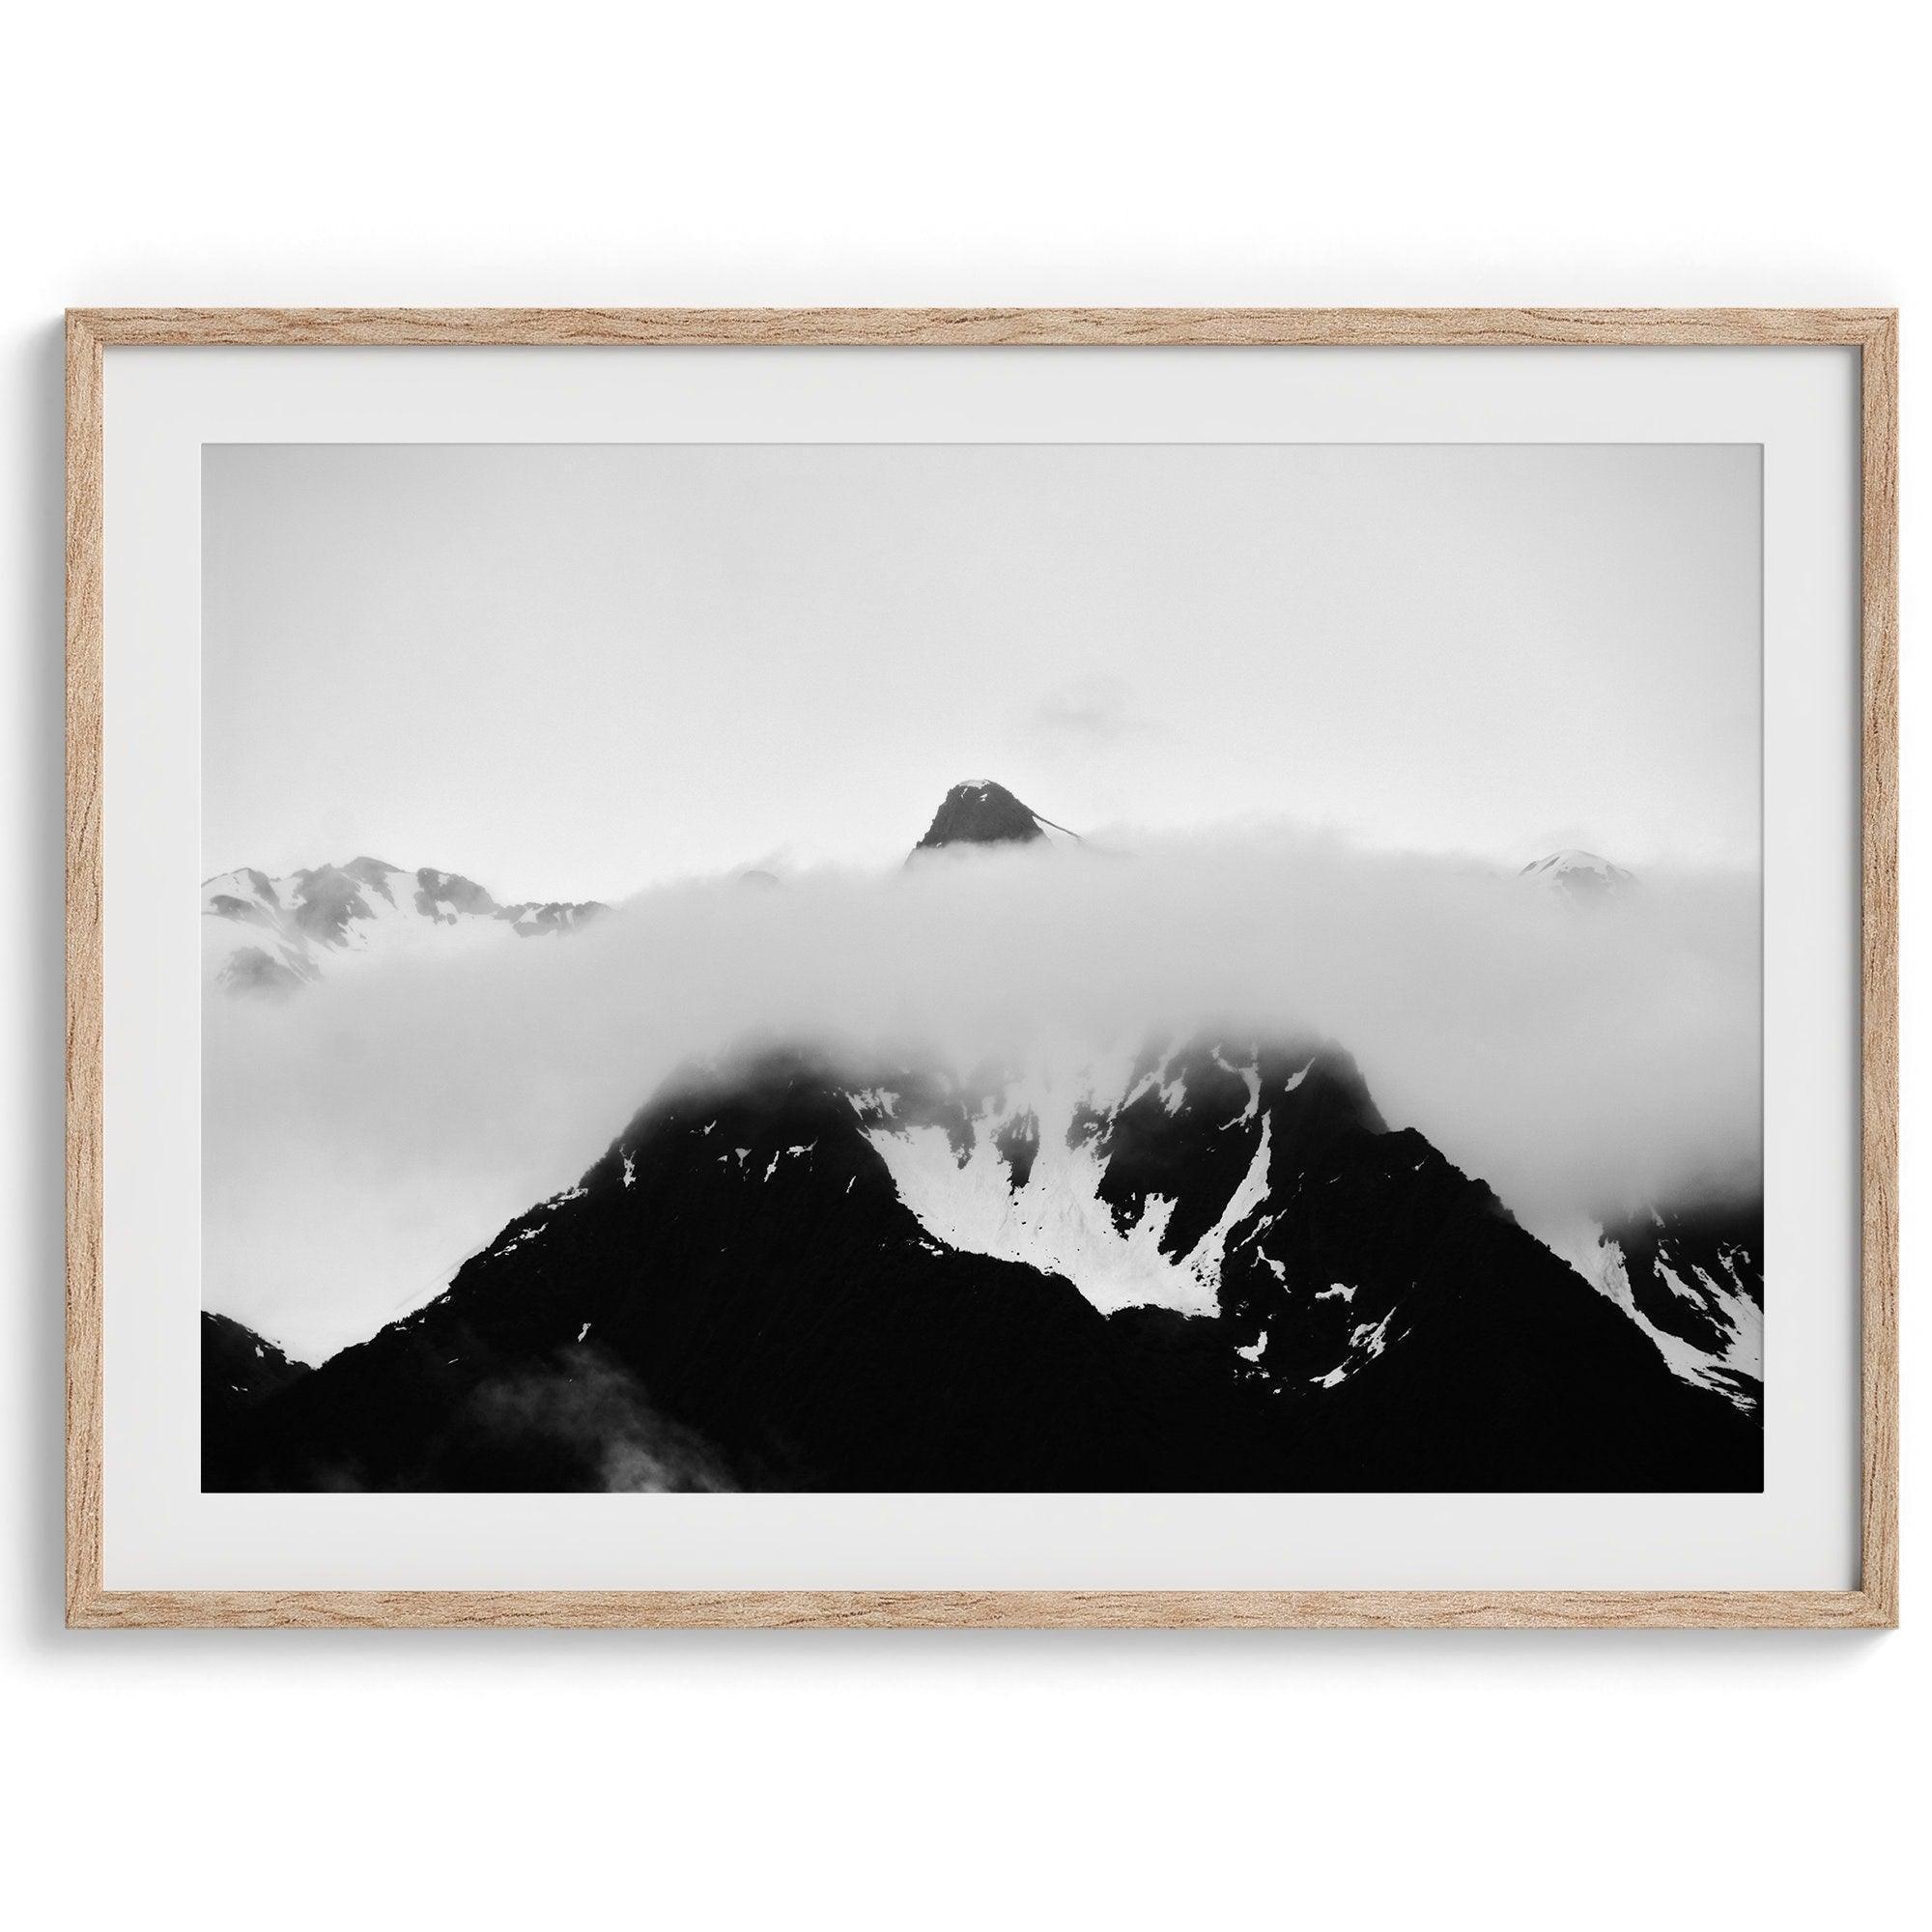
x=1032, y=152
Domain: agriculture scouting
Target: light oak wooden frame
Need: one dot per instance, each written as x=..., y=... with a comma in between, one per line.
x=1872, y=332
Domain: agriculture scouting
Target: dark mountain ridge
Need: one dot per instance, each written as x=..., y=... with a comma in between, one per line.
x=738, y=1293
x=240, y=1371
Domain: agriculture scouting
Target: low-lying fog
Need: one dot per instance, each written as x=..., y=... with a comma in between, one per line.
x=364, y=1136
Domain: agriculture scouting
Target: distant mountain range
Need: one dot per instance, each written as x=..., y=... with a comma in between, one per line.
x=1204, y=1264
x=273, y=936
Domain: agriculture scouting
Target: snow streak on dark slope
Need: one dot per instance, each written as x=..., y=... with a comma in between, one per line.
x=740, y=1285
x=1692, y=1279
x=1687, y=1275
x=1685, y=1269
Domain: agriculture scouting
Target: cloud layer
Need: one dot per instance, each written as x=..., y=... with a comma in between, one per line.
x=362, y=1139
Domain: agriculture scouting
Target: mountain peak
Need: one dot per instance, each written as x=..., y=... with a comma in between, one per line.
x=269, y=936
x=1579, y=875
x=978, y=811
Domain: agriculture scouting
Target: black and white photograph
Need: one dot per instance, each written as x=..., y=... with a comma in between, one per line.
x=955, y=967
x=981, y=968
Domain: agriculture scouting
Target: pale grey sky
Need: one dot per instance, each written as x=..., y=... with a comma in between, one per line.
x=571, y=672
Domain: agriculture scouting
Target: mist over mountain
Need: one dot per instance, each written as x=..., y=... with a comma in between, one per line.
x=1250, y=1100
x=1582, y=877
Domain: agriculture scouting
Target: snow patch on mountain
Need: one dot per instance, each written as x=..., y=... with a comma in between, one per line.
x=1054, y=1219
x=1714, y=1290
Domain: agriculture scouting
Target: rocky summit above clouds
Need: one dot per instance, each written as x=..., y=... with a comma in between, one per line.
x=980, y=812
x=273, y=936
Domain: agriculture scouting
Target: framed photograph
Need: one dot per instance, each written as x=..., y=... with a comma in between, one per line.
x=862, y=967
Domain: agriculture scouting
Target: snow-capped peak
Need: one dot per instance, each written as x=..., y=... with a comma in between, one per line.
x=264, y=935
x=1579, y=875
